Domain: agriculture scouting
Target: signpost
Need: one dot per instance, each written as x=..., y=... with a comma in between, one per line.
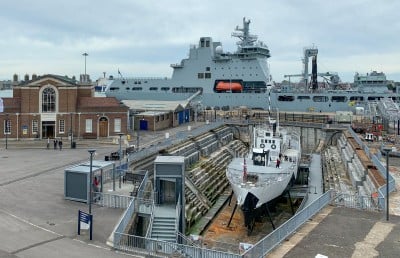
x=86, y=220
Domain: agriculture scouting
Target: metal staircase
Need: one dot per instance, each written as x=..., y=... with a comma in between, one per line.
x=163, y=229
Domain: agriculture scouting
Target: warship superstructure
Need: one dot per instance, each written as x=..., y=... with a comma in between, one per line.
x=220, y=79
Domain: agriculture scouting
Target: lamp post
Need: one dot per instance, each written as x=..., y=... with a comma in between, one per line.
x=79, y=126
x=70, y=128
x=387, y=150
x=17, y=114
x=90, y=180
x=120, y=158
x=85, y=55
x=6, y=130
x=138, y=136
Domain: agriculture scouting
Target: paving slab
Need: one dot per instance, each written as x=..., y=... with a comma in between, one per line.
x=35, y=219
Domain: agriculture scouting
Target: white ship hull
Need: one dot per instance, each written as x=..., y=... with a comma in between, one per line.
x=264, y=193
x=267, y=171
x=272, y=181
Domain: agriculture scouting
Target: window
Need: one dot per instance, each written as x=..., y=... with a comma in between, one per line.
x=207, y=68
x=207, y=75
x=48, y=100
x=200, y=75
x=35, y=128
x=88, y=128
x=157, y=118
x=7, y=126
x=61, y=126
x=117, y=125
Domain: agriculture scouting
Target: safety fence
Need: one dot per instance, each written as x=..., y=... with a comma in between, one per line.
x=361, y=202
x=178, y=138
x=147, y=246
x=375, y=158
x=265, y=245
x=112, y=200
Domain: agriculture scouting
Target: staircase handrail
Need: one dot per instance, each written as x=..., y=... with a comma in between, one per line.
x=177, y=216
x=150, y=226
x=187, y=240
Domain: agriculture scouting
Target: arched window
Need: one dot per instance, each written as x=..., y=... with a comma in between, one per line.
x=48, y=100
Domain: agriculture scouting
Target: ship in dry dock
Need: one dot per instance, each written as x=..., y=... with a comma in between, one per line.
x=266, y=171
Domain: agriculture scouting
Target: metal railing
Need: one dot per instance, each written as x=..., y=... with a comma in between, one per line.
x=150, y=226
x=361, y=202
x=381, y=168
x=112, y=200
x=147, y=246
x=145, y=206
x=153, y=247
x=178, y=138
x=123, y=223
x=177, y=216
x=269, y=242
x=142, y=186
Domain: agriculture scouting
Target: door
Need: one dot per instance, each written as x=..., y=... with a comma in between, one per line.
x=168, y=192
x=48, y=129
x=143, y=125
x=187, y=115
x=181, y=116
x=103, y=127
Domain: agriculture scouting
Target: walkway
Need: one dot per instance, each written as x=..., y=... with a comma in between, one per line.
x=343, y=232
x=35, y=219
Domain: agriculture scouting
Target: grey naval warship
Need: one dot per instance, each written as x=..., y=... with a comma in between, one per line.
x=219, y=79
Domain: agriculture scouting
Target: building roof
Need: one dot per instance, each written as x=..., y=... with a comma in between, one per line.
x=64, y=79
x=152, y=105
x=152, y=113
x=170, y=159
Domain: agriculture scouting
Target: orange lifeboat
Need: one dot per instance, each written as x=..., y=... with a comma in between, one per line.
x=229, y=86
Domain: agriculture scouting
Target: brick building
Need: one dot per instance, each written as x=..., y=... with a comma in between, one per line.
x=52, y=106
x=158, y=115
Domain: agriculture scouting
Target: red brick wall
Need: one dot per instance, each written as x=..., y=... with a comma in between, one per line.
x=26, y=101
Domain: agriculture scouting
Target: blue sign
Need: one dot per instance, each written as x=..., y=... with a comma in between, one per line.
x=84, y=217
x=87, y=219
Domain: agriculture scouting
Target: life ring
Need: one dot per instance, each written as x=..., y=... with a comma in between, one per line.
x=262, y=145
x=273, y=146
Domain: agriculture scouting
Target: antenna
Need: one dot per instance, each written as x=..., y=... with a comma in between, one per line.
x=122, y=77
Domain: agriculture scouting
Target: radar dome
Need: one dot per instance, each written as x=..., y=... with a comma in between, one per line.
x=218, y=50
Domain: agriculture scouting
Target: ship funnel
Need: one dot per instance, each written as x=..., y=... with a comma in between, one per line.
x=274, y=127
x=314, y=82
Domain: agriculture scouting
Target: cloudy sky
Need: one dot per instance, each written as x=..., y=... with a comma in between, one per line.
x=142, y=38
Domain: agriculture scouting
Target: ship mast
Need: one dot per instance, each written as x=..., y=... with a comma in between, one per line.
x=246, y=39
